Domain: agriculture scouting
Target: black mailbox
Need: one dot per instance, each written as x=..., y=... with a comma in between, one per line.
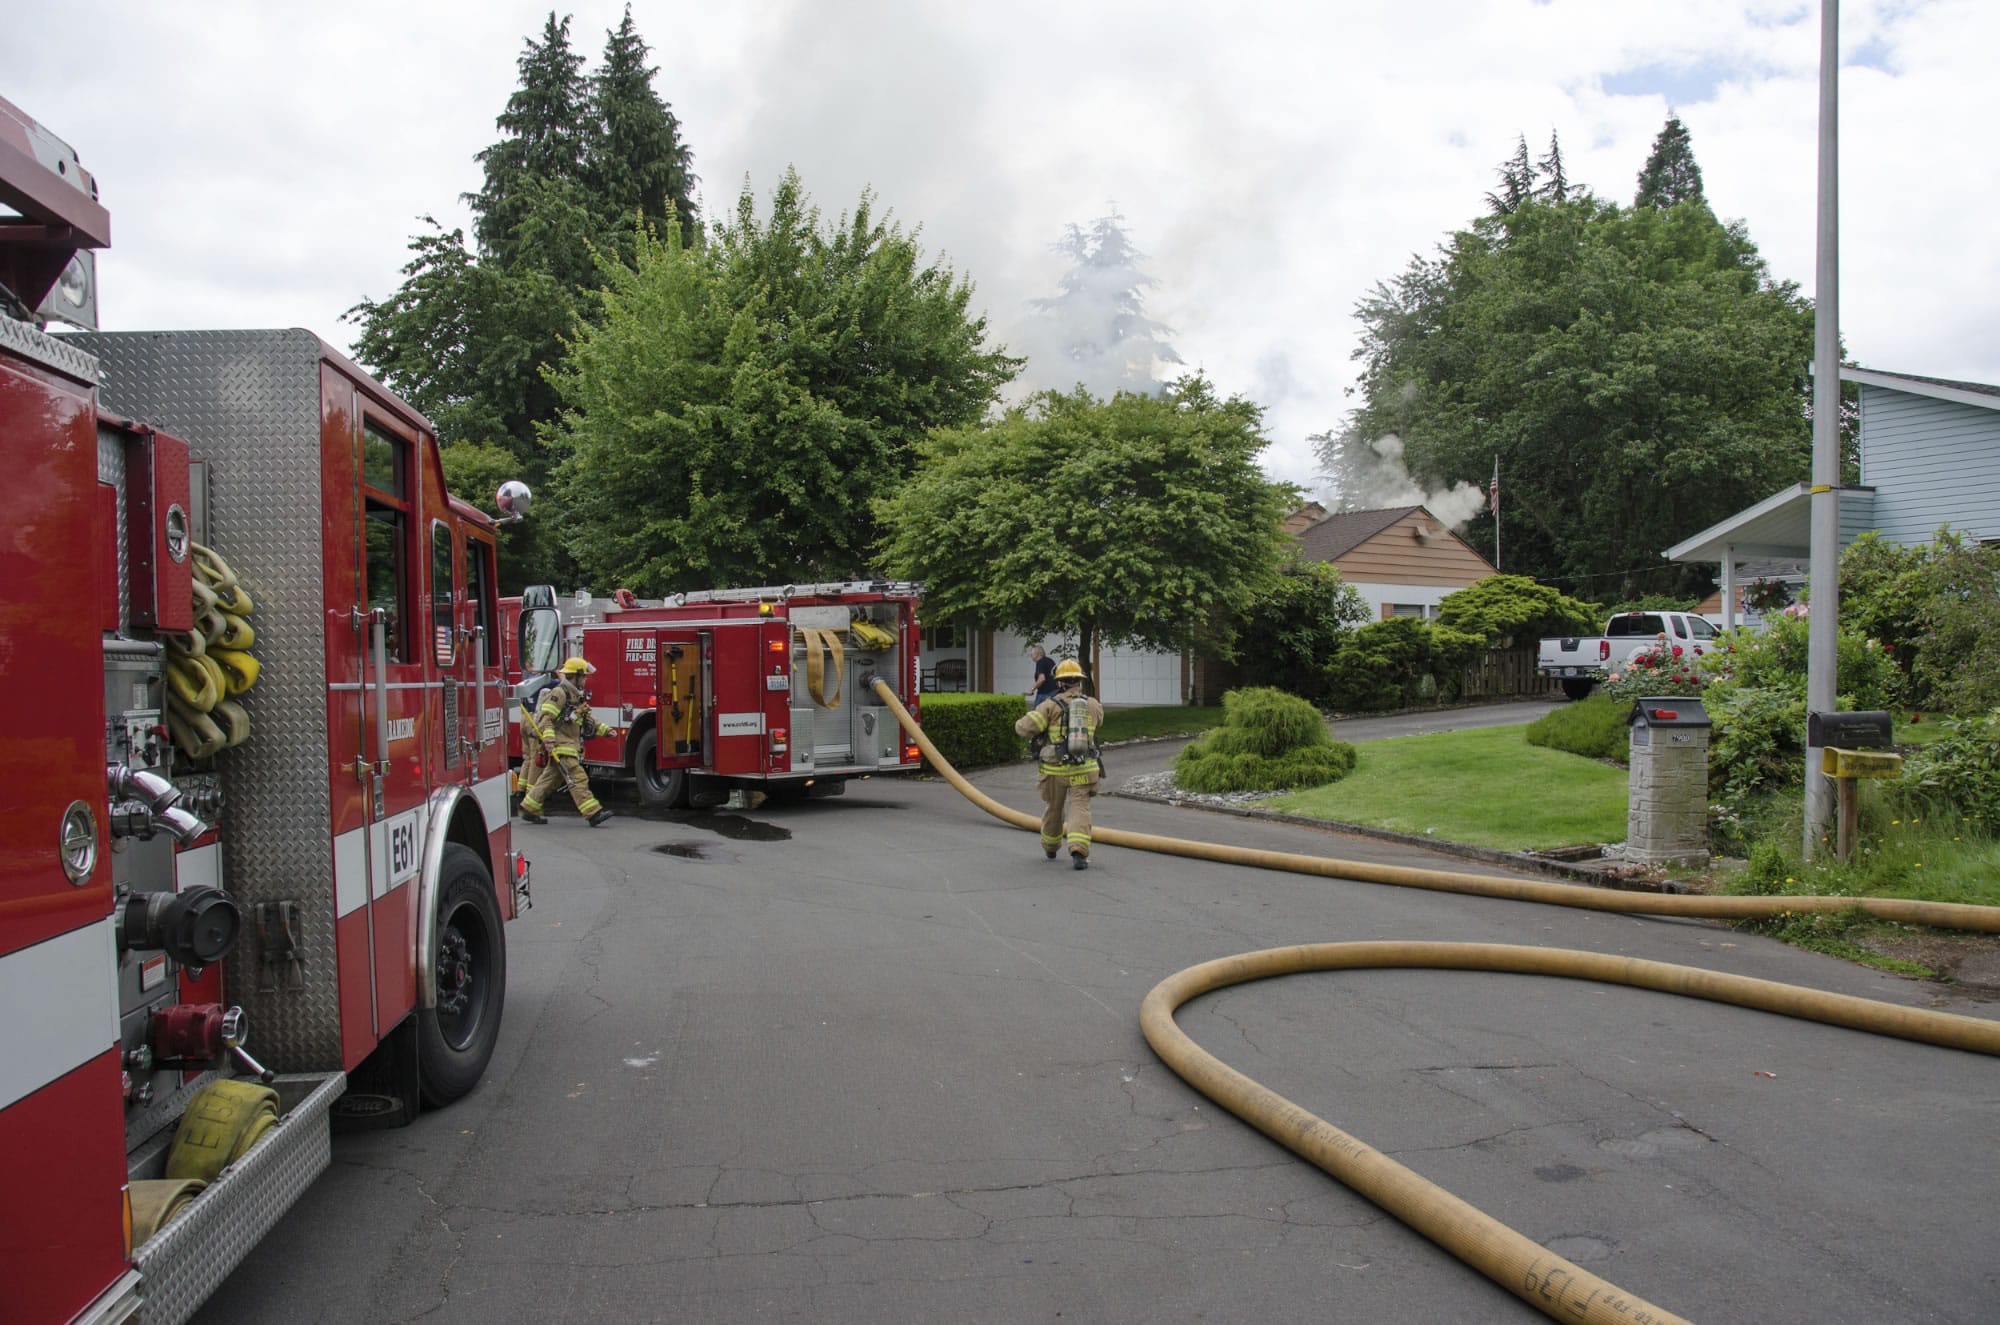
x=1668, y=711
x=1848, y=731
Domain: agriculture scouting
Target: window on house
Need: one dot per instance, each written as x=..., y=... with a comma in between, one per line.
x=1421, y=611
x=944, y=637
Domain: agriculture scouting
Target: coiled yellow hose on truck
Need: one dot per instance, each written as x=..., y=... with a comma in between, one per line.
x=1517, y=1263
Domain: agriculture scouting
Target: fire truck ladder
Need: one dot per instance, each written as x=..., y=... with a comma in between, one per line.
x=784, y=592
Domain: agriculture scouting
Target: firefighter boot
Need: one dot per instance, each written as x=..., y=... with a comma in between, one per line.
x=1079, y=861
x=603, y=813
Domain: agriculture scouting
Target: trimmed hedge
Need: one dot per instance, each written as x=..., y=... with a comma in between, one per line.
x=1596, y=728
x=973, y=730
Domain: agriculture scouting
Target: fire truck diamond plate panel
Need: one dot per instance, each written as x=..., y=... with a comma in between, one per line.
x=249, y=402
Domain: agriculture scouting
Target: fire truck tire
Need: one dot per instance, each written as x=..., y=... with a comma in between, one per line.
x=455, y=1039
x=659, y=788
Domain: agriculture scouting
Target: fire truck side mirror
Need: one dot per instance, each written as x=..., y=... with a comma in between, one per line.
x=513, y=499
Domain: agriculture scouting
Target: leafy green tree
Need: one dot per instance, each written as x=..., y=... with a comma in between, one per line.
x=737, y=406
x=636, y=164
x=1136, y=520
x=1638, y=373
x=1670, y=174
x=1290, y=631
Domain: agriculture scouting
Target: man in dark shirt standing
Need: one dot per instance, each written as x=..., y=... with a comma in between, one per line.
x=1045, y=675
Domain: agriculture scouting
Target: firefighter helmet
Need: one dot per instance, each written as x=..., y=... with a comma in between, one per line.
x=1069, y=670
x=576, y=667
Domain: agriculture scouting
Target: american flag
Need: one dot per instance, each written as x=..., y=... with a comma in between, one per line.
x=1493, y=490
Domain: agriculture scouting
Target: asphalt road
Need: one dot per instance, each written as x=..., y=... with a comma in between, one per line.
x=871, y=1059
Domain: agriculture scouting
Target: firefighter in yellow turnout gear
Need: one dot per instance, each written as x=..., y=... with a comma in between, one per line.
x=562, y=721
x=1063, y=732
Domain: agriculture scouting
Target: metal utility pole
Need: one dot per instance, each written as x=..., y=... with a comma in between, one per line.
x=1822, y=639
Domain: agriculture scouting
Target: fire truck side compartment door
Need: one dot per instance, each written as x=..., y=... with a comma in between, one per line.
x=680, y=702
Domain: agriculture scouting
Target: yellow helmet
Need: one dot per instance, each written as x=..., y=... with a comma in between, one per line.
x=1069, y=670
x=576, y=667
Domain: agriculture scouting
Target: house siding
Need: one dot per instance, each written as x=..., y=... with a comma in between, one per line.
x=1930, y=462
x=1396, y=557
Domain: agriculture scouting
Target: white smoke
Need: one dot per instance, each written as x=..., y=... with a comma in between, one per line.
x=1376, y=477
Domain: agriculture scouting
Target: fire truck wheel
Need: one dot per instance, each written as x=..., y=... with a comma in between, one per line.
x=456, y=1038
x=659, y=788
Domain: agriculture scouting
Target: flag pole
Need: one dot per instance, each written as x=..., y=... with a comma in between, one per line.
x=1493, y=496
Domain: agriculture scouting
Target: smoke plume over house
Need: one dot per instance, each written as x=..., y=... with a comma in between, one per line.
x=1374, y=476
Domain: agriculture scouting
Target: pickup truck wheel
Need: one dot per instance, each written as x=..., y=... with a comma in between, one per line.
x=1577, y=689
x=659, y=788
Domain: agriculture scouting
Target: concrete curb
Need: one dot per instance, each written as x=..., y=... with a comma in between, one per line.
x=1608, y=875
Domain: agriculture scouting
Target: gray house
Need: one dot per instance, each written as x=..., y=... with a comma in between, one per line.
x=1930, y=455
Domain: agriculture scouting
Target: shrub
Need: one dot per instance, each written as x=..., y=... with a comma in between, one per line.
x=1399, y=662
x=1268, y=741
x=1653, y=671
x=1957, y=775
x=1502, y=607
x=1595, y=728
x=974, y=730
x=1957, y=664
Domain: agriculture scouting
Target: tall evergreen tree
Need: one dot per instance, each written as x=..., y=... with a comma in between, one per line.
x=469, y=334
x=1097, y=328
x=1670, y=174
x=637, y=164
x=1517, y=180
x=544, y=135
x=1555, y=181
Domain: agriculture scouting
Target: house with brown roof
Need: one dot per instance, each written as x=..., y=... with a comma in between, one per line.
x=1403, y=559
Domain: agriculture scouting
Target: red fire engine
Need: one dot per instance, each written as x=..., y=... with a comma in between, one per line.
x=254, y=705
x=766, y=689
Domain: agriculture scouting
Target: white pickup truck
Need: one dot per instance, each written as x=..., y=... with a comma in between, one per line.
x=1577, y=659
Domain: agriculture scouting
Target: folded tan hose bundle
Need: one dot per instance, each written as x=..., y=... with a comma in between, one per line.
x=1548, y=1282
x=155, y=1201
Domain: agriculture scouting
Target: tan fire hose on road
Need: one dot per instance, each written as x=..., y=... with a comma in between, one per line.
x=1517, y=1263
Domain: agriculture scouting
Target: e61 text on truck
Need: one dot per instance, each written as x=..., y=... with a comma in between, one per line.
x=256, y=862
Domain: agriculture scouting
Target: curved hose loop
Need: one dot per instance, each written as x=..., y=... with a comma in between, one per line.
x=1938, y=915
x=1548, y=1282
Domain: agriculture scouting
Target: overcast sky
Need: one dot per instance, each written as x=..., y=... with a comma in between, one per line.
x=265, y=163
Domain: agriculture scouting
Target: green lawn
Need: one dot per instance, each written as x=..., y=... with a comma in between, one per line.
x=1130, y=724
x=1486, y=788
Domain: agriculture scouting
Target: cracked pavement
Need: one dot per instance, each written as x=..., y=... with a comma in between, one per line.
x=889, y=1069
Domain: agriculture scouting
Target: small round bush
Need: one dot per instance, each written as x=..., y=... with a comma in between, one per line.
x=1268, y=741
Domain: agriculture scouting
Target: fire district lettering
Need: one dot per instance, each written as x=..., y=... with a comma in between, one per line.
x=639, y=648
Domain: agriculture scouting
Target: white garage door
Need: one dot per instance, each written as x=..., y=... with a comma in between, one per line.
x=1138, y=676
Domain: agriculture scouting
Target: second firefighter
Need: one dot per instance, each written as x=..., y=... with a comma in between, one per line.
x=562, y=721
x=1063, y=733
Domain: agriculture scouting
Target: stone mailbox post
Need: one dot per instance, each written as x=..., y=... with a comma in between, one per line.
x=1667, y=815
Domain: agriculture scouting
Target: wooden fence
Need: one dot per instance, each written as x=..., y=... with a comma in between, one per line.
x=1508, y=674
